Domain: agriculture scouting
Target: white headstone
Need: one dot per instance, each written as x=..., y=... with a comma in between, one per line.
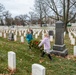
x=38, y=69
x=4, y=35
x=42, y=35
x=19, y=33
x=24, y=34
x=6, y=31
x=51, y=38
x=73, y=41
x=36, y=36
x=9, y=31
x=74, y=50
x=15, y=37
x=16, y=32
x=22, y=31
x=12, y=60
x=64, y=34
x=12, y=31
x=0, y=34
x=74, y=34
x=22, y=39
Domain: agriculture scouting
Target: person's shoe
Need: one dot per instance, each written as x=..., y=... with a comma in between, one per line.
x=51, y=59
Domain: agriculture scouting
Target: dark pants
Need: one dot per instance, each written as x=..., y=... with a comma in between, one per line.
x=29, y=47
x=43, y=53
x=29, y=44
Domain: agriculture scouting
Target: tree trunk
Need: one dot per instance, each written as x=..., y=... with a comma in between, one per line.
x=41, y=19
x=63, y=10
x=66, y=30
x=41, y=22
x=66, y=15
x=2, y=23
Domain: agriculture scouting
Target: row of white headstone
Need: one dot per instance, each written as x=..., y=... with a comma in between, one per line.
x=36, y=34
x=15, y=37
x=51, y=36
x=37, y=69
x=4, y=34
x=72, y=39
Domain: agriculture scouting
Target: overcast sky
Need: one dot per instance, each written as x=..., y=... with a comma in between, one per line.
x=17, y=7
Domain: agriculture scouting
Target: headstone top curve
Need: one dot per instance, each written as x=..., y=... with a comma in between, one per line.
x=38, y=65
x=59, y=21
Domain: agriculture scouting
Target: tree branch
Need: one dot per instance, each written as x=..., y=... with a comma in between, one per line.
x=72, y=5
x=72, y=17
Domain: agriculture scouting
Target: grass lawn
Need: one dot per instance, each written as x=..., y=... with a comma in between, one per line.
x=25, y=58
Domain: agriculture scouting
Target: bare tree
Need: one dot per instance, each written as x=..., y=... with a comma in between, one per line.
x=21, y=19
x=2, y=8
x=64, y=10
x=8, y=18
x=39, y=10
x=46, y=11
x=33, y=17
x=17, y=21
x=42, y=10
